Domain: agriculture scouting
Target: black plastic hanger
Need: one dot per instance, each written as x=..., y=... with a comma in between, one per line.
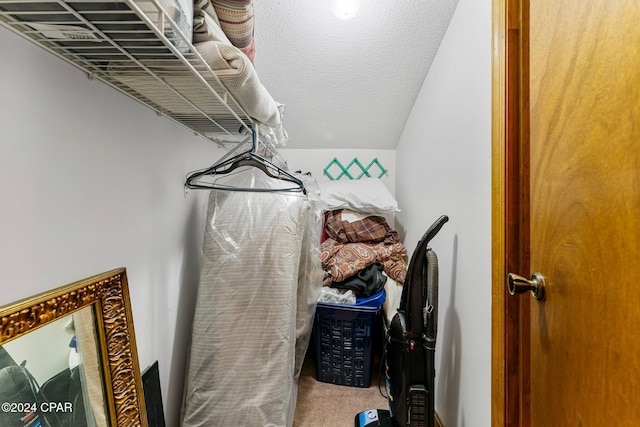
x=247, y=158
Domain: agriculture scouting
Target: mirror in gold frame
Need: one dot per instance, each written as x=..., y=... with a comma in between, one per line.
x=68, y=357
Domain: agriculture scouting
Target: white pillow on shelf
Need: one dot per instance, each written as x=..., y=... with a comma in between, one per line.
x=367, y=195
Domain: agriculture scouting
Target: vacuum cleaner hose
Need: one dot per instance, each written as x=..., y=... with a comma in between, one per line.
x=431, y=306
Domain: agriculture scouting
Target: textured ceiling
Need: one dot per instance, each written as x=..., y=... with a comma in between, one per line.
x=347, y=84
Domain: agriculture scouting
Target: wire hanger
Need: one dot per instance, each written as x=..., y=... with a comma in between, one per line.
x=197, y=179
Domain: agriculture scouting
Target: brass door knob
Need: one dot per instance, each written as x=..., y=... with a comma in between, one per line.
x=520, y=285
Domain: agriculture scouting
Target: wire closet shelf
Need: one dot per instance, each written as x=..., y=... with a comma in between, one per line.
x=143, y=54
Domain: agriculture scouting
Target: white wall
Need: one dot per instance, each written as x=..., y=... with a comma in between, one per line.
x=90, y=180
x=443, y=167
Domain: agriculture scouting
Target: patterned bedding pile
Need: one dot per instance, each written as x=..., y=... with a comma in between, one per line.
x=355, y=242
x=352, y=246
x=358, y=241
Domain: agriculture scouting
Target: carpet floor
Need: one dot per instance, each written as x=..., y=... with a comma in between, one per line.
x=328, y=405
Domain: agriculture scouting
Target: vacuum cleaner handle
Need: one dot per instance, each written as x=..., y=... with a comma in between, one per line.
x=413, y=298
x=435, y=227
x=417, y=259
x=430, y=313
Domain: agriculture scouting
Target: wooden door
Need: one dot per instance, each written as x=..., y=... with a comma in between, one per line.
x=575, y=213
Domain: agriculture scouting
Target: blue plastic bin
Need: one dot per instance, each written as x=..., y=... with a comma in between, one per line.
x=343, y=339
x=375, y=300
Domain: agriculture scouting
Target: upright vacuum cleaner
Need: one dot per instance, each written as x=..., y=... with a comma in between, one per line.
x=410, y=345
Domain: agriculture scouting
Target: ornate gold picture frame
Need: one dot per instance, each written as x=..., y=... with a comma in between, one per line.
x=104, y=300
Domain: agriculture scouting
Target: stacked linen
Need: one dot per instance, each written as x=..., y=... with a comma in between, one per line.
x=234, y=69
x=357, y=236
x=233, y=65
x=236, y=20
x=226, y=59
x=246, y=331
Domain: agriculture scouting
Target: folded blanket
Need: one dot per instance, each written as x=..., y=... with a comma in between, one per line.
x=237, y=73
x=367, y=229
x=236, y=20
x=234, y=70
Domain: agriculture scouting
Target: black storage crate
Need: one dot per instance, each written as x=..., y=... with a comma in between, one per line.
x=343, y=340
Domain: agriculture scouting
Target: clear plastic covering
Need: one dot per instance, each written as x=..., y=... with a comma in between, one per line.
x=311, y=273
x=259, y=283
x=337, y=296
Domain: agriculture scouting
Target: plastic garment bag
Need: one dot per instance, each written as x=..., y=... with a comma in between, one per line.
x=310, y=274
x=253, y=312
